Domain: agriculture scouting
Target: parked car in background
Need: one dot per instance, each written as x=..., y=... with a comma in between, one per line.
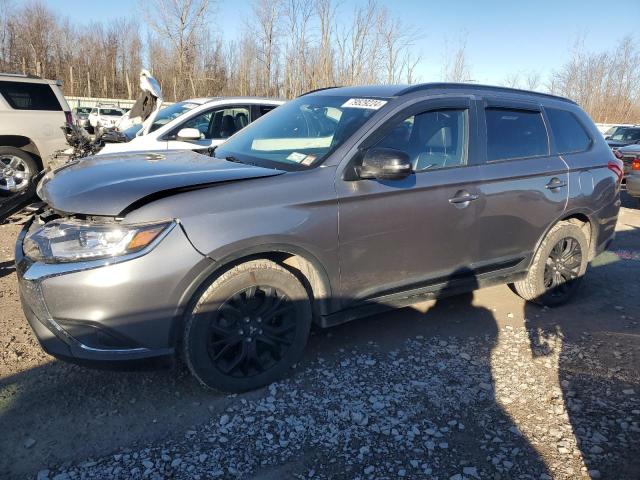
x=338, y=204
x=32, y=110
x=104, y=116
x=609, y=129
x=630, y=156
x=195, y=124
x=81, y=116
x=622, y=136
x=164, y=116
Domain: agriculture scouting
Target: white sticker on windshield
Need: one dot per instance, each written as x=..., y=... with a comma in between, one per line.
x=368, y=103
x=296, y=157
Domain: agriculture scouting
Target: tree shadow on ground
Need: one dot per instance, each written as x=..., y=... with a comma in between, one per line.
x=448, y=394
x=595, y=339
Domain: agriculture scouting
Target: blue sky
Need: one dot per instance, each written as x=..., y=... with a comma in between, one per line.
x=503, y=37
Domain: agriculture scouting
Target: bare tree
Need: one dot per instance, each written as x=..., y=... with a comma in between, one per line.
x=410, y=64
x=606, y=84
x=533, y=80
x=323, y=71
x=455, y=65
x=180, y=24
x=297, y=14
x=266, y=14
x=512, y=80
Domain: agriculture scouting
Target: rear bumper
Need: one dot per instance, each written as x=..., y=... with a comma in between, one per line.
x=633, y=185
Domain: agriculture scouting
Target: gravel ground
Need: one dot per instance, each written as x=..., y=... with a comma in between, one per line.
x=476, y=386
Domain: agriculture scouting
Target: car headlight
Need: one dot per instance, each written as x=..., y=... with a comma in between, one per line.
x=76, y=240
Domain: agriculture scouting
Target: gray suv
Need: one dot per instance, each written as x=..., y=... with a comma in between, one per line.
x=340, y=203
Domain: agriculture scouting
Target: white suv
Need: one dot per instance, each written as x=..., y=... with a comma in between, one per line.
x=194, y=124
x=104, y=116
x=32, y=110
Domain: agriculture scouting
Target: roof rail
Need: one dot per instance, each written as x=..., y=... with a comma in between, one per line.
x=21, y=75
x=474, y=86
x=318, y=90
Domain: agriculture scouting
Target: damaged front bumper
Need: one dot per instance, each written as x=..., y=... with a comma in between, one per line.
x=109, y=310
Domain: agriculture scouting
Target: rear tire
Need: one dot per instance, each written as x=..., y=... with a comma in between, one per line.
x=557, y=268
x=247, y=328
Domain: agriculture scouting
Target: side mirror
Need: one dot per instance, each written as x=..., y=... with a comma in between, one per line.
x=384, y=164
x=189, y=134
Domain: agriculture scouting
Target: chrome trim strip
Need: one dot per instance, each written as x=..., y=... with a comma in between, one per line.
x=40, y=270
x=115, y=350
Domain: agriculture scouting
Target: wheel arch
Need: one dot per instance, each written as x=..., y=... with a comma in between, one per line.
x=23, y=143
x=580, y=217
x=299, y=261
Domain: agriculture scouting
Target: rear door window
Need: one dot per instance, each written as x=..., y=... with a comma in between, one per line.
x=568, y=132
x=264, y=109
x=29, y=96
x=513, y=133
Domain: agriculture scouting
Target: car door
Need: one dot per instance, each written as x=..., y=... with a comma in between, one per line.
x=396, y=234
x=215, y=126
x=525, y=186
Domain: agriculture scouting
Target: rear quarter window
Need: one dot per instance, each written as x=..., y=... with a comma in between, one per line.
x=515, y=134
x=29, y=96
x=568, y=133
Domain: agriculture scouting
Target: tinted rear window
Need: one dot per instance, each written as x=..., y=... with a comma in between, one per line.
x=29, y=96
x=515, y=134
x=569, y=134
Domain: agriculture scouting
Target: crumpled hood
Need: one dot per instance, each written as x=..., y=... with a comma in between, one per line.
x=108, y=184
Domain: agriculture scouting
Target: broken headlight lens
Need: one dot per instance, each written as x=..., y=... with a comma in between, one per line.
x=75, y=240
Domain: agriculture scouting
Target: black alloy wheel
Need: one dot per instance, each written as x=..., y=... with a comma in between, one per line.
x=252, y=331
x=562, y=266
x=248, y=327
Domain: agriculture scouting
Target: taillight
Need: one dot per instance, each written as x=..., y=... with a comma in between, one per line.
x=635, y=164
x=617, y=154
x=68, y=117
x=616, y=166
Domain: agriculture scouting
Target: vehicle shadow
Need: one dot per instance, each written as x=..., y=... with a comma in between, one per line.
x=594, y=341
x=74, y=413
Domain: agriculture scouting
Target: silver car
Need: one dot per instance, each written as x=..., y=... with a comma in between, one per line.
x=338, y=204
x=630, y=156
x=32, y=112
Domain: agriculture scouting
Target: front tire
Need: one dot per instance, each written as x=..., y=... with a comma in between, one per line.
x=558, y=266
x=247, y=328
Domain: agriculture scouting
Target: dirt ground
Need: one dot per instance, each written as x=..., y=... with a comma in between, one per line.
x=477, y=386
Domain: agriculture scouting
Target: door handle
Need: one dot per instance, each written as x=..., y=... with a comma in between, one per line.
x=467, y=197
x=555, y=183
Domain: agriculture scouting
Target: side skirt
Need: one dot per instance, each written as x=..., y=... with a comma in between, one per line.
x=405, y=298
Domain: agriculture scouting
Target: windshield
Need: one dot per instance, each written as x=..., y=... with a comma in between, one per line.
x=83, y=110
x=300, y=133
x=626, y=134
x=166, y=114
x=111, y=112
